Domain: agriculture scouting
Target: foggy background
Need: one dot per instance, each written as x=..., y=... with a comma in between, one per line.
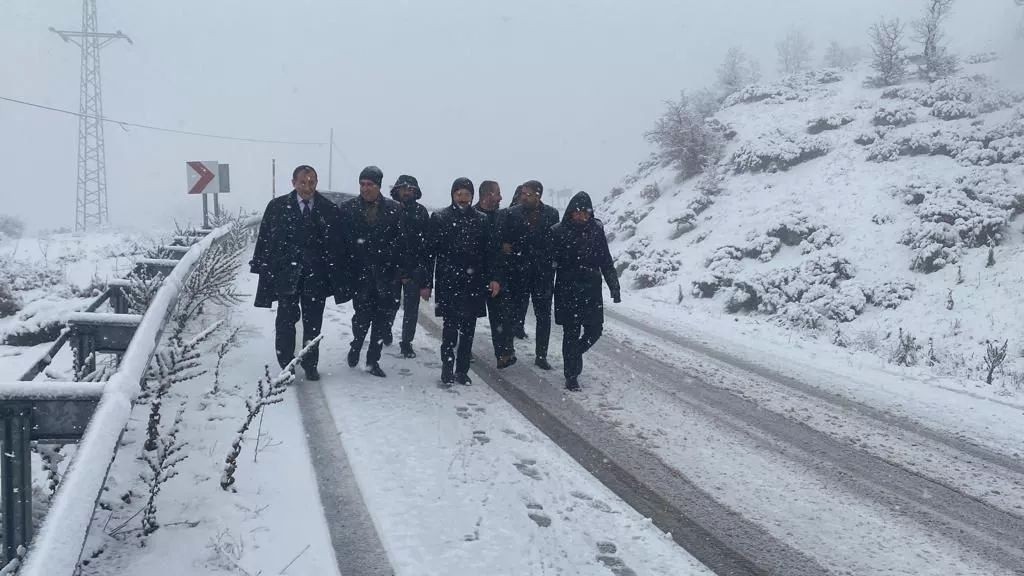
x=508, y=90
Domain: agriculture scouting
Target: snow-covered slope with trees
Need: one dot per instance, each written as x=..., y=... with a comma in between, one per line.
x=878, y=219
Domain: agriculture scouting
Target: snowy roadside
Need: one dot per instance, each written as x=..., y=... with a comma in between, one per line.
x=270, y=522
x=973, y=413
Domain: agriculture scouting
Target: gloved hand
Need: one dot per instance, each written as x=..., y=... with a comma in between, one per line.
x=616, y=297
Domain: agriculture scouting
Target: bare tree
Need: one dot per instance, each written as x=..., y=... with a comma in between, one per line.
x=683, y=140
x=936, y=61
x=794, y=52
x=887, y=51
x=737, y=70
x=842, y=57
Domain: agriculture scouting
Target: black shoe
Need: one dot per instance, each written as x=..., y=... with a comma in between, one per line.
x=374, y=369
x=447, y=375
x=311, y=373
x=506, y=361
x=407, y=351
x=388, y=339
x=353, y=357
x=542, y=363
x=521, y=334
x=572, y=384
x=463, y=379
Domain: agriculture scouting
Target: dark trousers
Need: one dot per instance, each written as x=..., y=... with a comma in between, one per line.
x=290, y=308
x=574, y=345
x=502, y=333
x=410, y=310
x=457, y=332
x=371, y=315
x=542, y=293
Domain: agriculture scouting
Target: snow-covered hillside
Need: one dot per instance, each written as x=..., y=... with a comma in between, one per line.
x=865, y=217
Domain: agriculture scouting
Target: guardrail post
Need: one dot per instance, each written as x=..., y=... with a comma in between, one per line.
x=16, y=475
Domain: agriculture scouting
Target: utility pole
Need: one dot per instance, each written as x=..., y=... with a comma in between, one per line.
x=330, y=163
x=91, y=200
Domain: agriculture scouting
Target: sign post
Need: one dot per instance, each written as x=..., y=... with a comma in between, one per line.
x=208, y=177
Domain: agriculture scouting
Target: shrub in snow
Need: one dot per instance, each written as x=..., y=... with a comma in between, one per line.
x=141, y=290
x=830, y=122
x=160, y=467
x=651, y=192
x=895, y=114
x=804, y=295
x=890, y=294
x=683, y=139
x=906, y=350
x=9, y=302
x=722, y=267
x=888, y=58
x=654, y=268
x=631, y=253
x=627, y=221
x=268, y=391
x=684, y=223
x=825, y=77
x=762, y=247
x=699, y=204
x=174, y=363
x=776, y=151
x=711, y=181
x=643, y=170
x=953, y=110
x=865, y=138
x=975, y=223
x=992, y=186
x=212, y=282
x=721, y=129
x=614, y=193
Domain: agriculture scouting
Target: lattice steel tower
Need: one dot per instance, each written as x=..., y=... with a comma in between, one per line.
x=91, y=203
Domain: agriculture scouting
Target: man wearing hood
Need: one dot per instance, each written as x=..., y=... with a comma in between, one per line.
x=581, y=258
x=415, y=222
x=465, y=275
x=501, y=334
x=295, y=266
x=526, y=243
x=373, y=249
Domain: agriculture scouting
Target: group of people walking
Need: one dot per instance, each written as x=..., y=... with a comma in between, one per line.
x=475, y=260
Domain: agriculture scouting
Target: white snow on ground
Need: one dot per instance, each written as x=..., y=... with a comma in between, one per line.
x=459, y=483
x=868, y=219
x=273, y=517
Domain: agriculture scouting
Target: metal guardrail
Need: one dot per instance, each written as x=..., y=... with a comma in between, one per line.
x=58, y=546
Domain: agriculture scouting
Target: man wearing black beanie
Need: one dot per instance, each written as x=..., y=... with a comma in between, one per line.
x=526, y=245
x=373, y=252
x=464, y=271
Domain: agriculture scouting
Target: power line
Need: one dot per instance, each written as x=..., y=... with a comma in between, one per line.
x=123, y=124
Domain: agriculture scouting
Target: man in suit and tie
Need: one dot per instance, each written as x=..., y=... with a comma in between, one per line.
x=295, y=265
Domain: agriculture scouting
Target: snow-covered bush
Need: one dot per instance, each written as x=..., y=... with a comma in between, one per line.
x=776, y=151
x=654, y=268
x=722, y=266
x=631, y=253
x=684, y=223
x=614, y=193
x=890, y=294
x=992, y=186
x=651, y=192
x=830, y=122
x=798, y=87
x=804, y=294
x=699, y=204
x=895, y=114
x=627, y=221
x=953, y=110
x=9, y=302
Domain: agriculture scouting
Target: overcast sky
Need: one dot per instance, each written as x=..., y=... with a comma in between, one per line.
x=557, y=90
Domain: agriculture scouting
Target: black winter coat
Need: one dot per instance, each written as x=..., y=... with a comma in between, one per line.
x=529, y=249
x=373, y=253
x=464, y=263
x=581, y=258
x=280, y=244
x=416, y=227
